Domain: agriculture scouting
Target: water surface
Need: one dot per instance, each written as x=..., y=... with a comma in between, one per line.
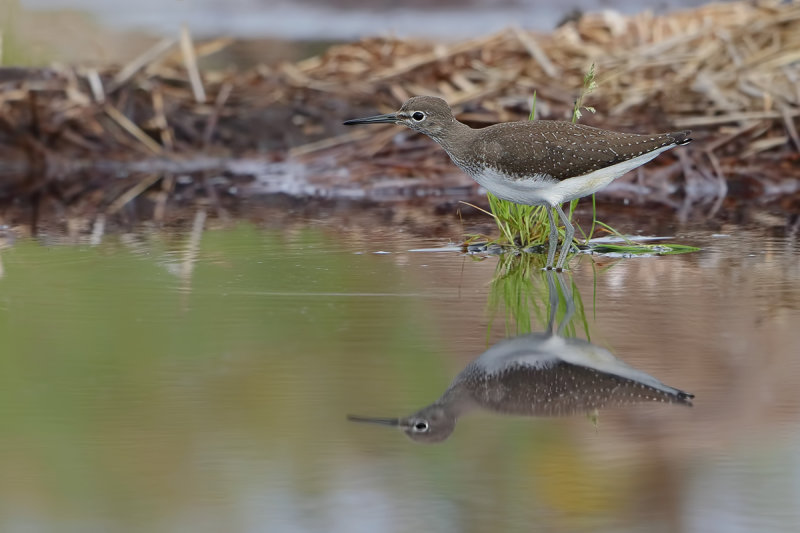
x=154, y=384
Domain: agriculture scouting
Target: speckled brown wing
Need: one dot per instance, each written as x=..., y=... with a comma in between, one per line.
x=563, y=389
x=564, y=150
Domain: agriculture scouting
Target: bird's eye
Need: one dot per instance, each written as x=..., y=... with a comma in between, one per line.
x=418, y=116
x=420, y=426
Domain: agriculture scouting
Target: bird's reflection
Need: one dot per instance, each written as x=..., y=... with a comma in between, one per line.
x=538, y=374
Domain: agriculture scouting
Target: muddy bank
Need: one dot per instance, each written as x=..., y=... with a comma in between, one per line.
x=162, y=132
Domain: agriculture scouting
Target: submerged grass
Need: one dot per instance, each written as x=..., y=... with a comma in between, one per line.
x=635, y=248
x=643, y=249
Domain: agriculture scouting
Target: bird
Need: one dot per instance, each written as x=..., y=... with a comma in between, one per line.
x=533, y=162
x=538, y=374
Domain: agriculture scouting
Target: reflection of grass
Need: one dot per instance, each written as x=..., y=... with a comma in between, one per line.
x=523, y=290
x=519, y=287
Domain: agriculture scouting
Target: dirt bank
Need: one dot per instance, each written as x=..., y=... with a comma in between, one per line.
x=160, y=132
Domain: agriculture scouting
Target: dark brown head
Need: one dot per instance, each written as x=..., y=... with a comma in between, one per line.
x=426, y=114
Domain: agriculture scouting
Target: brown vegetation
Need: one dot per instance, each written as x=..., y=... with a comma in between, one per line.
x=730, y=72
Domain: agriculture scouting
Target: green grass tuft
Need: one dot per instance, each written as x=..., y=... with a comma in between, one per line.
x=589, y=85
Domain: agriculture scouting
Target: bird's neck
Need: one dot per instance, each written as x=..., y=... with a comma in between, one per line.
x=455, y=138
x=457, y=399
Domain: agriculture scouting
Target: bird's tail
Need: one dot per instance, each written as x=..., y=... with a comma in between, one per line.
x=681, y=137
x=684, y=397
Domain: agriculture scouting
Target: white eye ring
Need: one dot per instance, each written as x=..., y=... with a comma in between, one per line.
x=420, y=426
x=418, y=116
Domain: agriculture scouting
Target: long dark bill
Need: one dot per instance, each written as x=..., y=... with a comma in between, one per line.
x=380, y=421
x=390, y=118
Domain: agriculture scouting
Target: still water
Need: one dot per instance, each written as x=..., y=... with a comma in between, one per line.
x=159, y=383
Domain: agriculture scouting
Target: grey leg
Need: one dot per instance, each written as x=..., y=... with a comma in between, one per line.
x=569, y=233
x=551, y=249
x=568, y=302
x=553, y=293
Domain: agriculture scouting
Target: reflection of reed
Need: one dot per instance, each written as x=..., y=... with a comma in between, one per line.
x=98, y=230
x=6, y=240
x=515, y=290
x=538, y=374
x=192, y=247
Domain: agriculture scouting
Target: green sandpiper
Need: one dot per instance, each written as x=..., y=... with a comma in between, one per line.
x=533, y=162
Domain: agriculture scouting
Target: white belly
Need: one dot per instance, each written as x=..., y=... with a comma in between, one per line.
x=541, y=189
x=527, y=191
